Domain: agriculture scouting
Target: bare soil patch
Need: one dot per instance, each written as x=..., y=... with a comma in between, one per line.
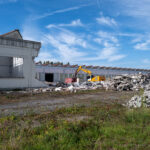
x=21, y=104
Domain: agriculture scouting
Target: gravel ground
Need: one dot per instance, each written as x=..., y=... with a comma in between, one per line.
x=39, y=103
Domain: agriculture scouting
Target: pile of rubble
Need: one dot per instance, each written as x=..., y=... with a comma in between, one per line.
x=118, y=83
x=129, y=82
x=60, y=86
x=140, y=101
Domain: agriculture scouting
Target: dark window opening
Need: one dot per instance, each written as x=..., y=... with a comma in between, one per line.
x=49, y=77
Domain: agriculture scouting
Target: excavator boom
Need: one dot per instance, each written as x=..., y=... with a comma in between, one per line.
x=92, y=78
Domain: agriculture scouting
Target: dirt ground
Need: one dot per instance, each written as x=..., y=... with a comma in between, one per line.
x=21, y=104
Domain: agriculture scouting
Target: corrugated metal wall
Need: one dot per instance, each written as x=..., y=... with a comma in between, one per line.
x=60, y=73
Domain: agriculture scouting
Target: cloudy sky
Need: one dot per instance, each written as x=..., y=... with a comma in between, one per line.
x=91, y=32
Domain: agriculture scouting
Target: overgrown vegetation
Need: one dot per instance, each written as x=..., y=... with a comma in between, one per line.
x=99, y=127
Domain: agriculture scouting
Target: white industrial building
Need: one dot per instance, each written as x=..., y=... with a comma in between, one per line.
x=17, y=67
x=18, y=70
x=58, y=72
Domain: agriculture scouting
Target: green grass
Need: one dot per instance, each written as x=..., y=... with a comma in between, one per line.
x=105, y=127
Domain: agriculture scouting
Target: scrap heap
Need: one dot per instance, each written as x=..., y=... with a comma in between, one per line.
x=129, y=82
x=140, y=101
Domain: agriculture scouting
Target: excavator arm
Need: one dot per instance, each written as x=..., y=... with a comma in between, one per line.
x=87, y=71
x=91, y=78
x=84, y=70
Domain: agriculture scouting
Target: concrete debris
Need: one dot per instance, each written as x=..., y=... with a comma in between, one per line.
x=135, y=102
x=118, y=83
x=83, y=86
x=58, y=89
x=90, y=85
x=71, y=88
x=61, y=84
x=140, y=101
x=40, y=90
x=129, y=82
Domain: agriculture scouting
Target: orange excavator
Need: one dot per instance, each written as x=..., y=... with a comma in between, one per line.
x=90, y=77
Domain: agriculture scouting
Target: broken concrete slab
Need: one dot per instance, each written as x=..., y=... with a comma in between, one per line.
x=129, y=82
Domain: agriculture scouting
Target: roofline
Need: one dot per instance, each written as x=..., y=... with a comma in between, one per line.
x=12, y=32
x=8, y=38
x=93, y=67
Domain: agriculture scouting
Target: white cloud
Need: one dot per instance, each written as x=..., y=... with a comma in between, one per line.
x=69, y=46
x=141, y=42
x=65, y=52
x=98, y=40
x=104, y=37
x=128, y=34
x=136, y=8
x=45, y=56
x=60, y=11
x=106, y=21
x=66, y=44
x=146, y=61
x=107, y=52
x=72, y=39
x=110, y=44
x=74, y=23
x=137, y=39
x=116, y=57
x=51, y=26
x=30, y=31
x=110, y=54
x=143, y=45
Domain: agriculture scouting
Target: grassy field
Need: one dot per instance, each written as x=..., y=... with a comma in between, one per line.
x=98, y=127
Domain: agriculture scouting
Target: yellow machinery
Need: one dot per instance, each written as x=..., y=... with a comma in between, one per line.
x=91, y=77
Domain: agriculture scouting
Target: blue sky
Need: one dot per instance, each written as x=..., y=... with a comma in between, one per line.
x=97, y=32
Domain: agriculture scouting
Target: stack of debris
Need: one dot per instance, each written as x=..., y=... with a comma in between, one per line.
x=140, y=101
x=129, y=82
x=60, y=86
x=90, y=85
x=84, y=86
x=143, y=100
x=118, y=83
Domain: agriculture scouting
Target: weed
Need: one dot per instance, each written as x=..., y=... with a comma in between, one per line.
x=109, y=127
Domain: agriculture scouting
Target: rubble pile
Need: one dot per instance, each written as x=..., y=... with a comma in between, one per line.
x=136, y=101
x=84, y=86
x=118, y=83
x=129, y=82
x=90, y=85
x=140, y=101
x=60, y=86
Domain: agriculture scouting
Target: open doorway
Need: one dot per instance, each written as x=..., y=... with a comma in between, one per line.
x=49, y=77
x=11, y=67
